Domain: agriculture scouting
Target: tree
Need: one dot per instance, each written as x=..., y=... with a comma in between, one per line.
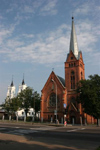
x=26, y=97
x=89, y=95
x=11, y=105
x=36, y=101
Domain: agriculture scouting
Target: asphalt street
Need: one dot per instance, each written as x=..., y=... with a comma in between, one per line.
x=45, y=137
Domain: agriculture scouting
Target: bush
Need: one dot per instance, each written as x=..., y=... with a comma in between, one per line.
x=28, y=119
x=98, y=148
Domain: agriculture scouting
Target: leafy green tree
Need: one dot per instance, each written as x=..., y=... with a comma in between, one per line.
x=36, y=101
x=11, y=105
x=25, y=97
x=89, y=95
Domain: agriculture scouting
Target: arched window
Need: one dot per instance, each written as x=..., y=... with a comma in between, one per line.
x=72, y=80
x=52, y=100
x=81, y=75
x=71, y=65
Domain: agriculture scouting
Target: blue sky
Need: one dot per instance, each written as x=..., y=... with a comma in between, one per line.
x=35, y=37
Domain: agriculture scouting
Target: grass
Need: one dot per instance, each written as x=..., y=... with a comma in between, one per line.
x=98, y=148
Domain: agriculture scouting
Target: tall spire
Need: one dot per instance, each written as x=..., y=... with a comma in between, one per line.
x=73, y=40
x=23, y=80
x=12, y=82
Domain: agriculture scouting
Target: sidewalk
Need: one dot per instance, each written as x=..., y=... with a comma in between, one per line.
x=21, y=123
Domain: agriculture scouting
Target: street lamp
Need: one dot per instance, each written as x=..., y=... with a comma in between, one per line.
x=56, y=98
x=33, y=118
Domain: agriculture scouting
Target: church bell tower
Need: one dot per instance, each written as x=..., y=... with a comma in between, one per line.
x=74, y=65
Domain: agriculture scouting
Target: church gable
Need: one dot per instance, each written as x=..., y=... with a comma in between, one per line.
x=58, y=80
x=71, y=57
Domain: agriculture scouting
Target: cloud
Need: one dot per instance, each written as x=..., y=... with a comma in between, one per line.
x=48, y=47
x=49, y=8
x=87, y=9
x=46, y=50
x=5, y=33
x=28, y=35
x=84, y=9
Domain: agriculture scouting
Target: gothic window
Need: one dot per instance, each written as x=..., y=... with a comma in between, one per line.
x=71, y=65
x=81, y=75
x=52, y=100
x=72, y=80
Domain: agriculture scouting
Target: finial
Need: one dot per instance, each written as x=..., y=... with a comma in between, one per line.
x=23, y=76
x=12, y=77
x=72, y=16
x=23, y=80
x=53, y=69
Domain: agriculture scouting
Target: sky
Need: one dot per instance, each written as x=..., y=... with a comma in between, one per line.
x=35, y=38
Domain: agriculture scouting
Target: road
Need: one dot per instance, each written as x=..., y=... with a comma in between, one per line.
x=44, y=137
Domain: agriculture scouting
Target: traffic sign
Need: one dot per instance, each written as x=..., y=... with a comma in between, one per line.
x=64, y=105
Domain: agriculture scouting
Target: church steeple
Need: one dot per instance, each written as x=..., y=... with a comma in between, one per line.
x=23, y=82
x=12, y=84
x=23, y=86
x=73, y=40
x=11, y=90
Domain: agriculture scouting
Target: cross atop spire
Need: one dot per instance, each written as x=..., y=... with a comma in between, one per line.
x=73, y=40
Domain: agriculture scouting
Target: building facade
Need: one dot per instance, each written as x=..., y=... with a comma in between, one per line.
x=11, y=91
x=22, y=87
x=59, y=95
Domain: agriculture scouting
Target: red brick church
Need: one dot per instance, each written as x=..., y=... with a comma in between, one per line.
x=58, y=99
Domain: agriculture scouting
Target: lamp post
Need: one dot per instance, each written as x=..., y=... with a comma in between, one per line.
x=33, y=118
x=56, y=98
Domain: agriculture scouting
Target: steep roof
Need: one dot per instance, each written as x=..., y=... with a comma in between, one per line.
x=12, y=83
x=52, y=76
x=23, y=83
x=62, y=80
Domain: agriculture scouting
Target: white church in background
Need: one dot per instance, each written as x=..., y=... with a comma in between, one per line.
x=11, y=94
x=11, y=91
x=22, y=87
x=21, y=113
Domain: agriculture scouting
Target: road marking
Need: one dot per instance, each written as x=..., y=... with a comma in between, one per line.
x=83, y=129
x=75, y=130
x=20, y=132
x=46, y=128
x=2, y=128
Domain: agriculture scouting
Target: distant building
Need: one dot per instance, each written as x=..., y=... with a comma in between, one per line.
x=22, y=87
x=21, y=113
x=11, y=91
